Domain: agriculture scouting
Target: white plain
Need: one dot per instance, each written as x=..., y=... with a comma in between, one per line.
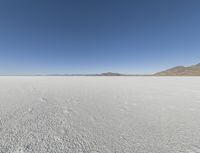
x=99, y=114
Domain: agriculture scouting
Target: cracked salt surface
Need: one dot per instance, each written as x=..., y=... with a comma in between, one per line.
x=99, y=114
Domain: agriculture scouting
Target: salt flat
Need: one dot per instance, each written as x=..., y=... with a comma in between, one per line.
x=99, y=114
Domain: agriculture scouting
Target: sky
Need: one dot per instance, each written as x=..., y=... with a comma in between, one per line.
x=95, y=36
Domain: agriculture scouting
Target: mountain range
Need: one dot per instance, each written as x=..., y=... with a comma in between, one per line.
x=193, y=70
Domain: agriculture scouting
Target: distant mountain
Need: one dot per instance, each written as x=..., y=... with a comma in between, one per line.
x=110, y=74
x=101, y=74
x=193, y=70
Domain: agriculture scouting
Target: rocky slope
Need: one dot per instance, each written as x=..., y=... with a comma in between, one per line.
x=193, y=70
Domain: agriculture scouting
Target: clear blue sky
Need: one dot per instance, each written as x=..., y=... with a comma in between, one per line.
x=94, y=36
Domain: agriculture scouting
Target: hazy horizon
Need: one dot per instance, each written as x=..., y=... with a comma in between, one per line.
x=89, y=37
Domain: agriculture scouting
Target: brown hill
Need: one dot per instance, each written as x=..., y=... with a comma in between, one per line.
x=193, y=70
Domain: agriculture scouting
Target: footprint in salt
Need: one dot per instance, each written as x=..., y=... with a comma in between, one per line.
x=43, y=99
x=30, y=110
x=68, y=100
x=92, y=118
x=63, y=131
x=57, y=139
x=67, y=111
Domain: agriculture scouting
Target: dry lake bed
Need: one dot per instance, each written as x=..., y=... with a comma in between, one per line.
x=99, y=114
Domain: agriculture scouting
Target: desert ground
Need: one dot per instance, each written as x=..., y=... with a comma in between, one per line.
x=40, y=114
